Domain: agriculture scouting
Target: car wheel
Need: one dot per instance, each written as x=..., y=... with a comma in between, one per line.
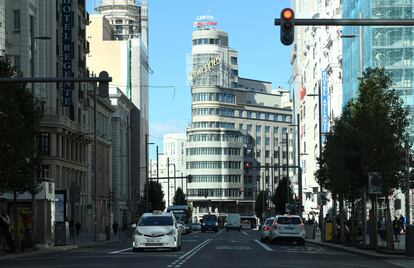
x=137, y=249
x=301, y=242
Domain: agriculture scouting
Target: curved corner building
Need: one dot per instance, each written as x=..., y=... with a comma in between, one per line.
x=234, y=121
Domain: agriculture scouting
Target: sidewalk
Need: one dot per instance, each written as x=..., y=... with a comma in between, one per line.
x=399, y=253
x=84, y=240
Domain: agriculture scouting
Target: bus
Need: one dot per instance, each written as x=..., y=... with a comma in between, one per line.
x=183, y=215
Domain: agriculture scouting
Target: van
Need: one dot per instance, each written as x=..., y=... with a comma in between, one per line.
x=233, y=222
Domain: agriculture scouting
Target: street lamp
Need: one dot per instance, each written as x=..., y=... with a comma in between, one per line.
x=158, y=167
x=146, y=173
x=32, y=51
x=168, y=167
x=300, y=185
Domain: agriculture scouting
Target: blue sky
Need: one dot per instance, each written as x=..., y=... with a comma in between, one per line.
x=251, y=32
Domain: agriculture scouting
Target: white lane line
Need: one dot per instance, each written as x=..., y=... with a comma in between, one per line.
x=266, y=247
x=245, y=233
x=119, y=251
x=192, y=254
x=187, y=255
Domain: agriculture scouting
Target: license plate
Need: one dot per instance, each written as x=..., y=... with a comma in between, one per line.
x=289, y=228
x=152, y=240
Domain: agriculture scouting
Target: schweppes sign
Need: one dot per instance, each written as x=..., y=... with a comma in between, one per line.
x=206, y=68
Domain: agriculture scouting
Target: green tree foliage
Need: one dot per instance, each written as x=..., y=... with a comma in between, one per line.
x=156, y=196
x=261, y=204
x=19, y=123
x=179, y=197
x=280, y=197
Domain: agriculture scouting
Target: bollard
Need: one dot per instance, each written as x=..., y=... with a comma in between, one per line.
x=409, y=241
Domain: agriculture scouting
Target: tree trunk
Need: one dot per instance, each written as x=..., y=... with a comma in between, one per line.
x=341, y=213
x=16, y=240
x=353, y=222
x=373, y=221
x=388, y=221
x=334, y=217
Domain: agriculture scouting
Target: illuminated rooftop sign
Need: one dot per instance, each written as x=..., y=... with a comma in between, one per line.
x=205, y=22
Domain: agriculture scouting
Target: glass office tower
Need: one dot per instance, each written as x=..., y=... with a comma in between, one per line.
x=388, y=47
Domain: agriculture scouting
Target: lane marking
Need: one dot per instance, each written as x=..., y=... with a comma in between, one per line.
x=119, y=251
x=182, y=259
x=266, y=247
x=245, y=233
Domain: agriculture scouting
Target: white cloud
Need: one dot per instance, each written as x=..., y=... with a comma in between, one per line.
x=158, y=129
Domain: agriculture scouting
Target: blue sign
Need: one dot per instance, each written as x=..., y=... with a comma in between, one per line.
x=67, y=16
x=324, y=103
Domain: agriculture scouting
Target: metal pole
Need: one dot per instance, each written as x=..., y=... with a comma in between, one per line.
x=168, y=176
x=407, y=189
x=146, y=174
x=95, y=179
x=175, y=183
x=158, y=167
x=34, y=101
x=182, y=182
x=300, y=186
x=351, y=22
x=320, y=163
x=287, y=166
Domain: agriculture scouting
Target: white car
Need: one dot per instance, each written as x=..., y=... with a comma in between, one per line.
x=288, y=227
x=157, y=230
x=265, y=229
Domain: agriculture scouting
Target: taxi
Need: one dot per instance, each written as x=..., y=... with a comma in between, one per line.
x=156, y=230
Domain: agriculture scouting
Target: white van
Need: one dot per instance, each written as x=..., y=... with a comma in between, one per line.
x=233, y=222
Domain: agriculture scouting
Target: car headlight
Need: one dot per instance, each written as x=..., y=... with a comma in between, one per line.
x=136, y=232
x=216, y=223
x=171, y=232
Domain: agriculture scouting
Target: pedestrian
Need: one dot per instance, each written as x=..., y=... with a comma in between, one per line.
x=402, y=222
x=5, y=230
x=396, y=227
x=77, y=227
x=115, y=228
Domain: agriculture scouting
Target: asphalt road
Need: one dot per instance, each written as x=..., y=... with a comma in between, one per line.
x=202, y=250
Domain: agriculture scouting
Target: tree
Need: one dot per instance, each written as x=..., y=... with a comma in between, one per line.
x=19, y=124
x=156, y=196
x=179, y=197
x=261, y=204
x=280, y=197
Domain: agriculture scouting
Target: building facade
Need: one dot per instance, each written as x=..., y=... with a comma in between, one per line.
x=2, y=25
x=128, y=66
x=234, y=120
x=316, y=65
x=121, y=196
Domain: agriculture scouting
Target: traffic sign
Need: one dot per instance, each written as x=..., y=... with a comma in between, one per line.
x=374, y=183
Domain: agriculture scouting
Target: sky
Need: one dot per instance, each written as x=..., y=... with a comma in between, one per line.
x=251, y=31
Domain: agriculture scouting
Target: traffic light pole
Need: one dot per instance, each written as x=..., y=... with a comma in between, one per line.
x=351, y=22
x=407, y=190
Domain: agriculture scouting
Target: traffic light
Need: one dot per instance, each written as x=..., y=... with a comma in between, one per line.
x=247, y=167
x=189, y=178
x=287, y=26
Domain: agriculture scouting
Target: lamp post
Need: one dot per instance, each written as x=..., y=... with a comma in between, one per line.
x=173, y=164
x=300, y=186
x=33, y=62
x=158, y=166
x=319, y=95
x=146, y=172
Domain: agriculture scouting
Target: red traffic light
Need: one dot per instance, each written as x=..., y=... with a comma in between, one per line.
x=247, y=165
x=287, y=14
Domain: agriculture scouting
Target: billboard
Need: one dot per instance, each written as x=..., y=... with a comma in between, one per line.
x=67, y=17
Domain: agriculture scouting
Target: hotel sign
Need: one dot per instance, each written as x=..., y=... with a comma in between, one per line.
x=325, y=108
x=67, y=17
x=205, y=22
x=206, y=68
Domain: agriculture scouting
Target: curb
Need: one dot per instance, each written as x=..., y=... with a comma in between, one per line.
x=353, y=250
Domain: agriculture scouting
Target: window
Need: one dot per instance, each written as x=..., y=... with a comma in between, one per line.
x=267, y=141
x=233, y=60
x=44, y=141
x=249, y=127
x=249, y=114
x=257, y=115
x=258, y=130
x=16, y=20
x=258, y=141
x=267, y=129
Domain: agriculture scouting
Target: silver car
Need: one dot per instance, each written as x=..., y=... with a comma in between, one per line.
x=265, y=229
x=288, y=227
x=157, y=230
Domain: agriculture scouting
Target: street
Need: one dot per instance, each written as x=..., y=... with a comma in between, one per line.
x=224, y=249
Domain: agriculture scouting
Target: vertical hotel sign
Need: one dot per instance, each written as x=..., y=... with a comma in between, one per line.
x=324, y=101
x=67, y=18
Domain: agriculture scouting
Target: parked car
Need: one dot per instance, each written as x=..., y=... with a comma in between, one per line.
x=288, y=228
x=156, y=230
x=196, y=227
x=265, y=229
x=233, y=222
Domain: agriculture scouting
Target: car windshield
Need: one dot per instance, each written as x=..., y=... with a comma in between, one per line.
x=269, y=222
x=156, y=221
x=289, y=220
